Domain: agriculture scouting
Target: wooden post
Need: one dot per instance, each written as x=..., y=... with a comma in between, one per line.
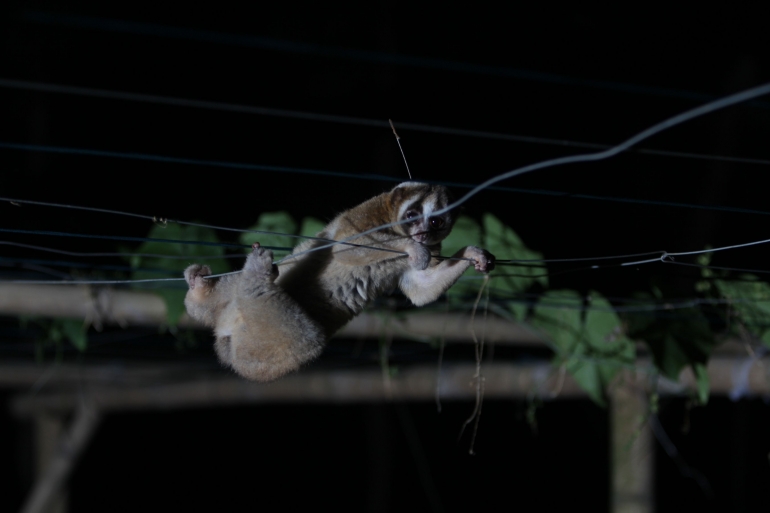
x=48, y=430
x=631, y=449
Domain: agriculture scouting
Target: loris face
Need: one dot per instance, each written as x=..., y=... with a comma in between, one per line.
x=412, y=201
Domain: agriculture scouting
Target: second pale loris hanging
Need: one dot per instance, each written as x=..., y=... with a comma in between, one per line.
x=269, y=320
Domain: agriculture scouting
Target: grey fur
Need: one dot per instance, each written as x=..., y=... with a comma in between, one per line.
x=268, y=324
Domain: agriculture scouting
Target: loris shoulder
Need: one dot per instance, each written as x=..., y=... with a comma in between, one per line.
x=270, y=320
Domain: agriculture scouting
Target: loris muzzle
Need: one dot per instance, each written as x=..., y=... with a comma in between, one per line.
x=269, y=320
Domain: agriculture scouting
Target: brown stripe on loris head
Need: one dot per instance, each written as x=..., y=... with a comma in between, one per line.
x=418, y=196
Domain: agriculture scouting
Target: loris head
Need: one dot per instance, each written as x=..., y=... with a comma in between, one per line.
x=415, y=202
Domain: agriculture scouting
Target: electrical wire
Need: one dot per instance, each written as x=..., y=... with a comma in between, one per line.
x=108, y=254
x=355, y=176
x=699, y=111
x=25, y=85
x=590, y=157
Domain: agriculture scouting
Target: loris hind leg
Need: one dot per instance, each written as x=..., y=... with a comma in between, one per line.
x=267, y=334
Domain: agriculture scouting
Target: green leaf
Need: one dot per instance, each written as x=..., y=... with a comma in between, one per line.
x=558, y=314
x=466, y=232
x=670, y=356
x=502, y=241
x=510, y=281
x=702, y=379
x=75, y=331
x=311, y=227
x=592, y=346
x=278, y=222
x=588, y=375
x=750, y=303
x=519, y=310
x=677, y=339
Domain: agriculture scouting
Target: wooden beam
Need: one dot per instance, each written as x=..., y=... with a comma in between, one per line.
x=101, y=304
x=48, y=485
x=416, y=383
x=139, y=388
x=133, y=308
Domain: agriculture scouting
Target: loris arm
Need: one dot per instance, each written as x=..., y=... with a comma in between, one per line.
x=425, y=286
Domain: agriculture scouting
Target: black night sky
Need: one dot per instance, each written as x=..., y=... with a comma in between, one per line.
x=263, y=94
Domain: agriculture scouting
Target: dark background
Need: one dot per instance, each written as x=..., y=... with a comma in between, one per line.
x=566, y=75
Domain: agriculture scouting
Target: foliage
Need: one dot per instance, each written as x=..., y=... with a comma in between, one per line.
x=588, y=338
x=56, y=331
x=502, y=240
x=750, y=304
x=681, y=337
x=155, y=267
x=311, y=226
x=278, y=222
x=498, y=239
x=676, y=338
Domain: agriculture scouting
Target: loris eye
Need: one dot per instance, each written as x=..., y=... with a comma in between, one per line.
x=436, y=222
x=411, y=214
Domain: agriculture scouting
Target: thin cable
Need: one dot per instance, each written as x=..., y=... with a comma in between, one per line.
x=699, y=111
x=347, y=120
x=534, y=299
x=339, y=174
x=143, y=255
x=134, y=239
x=86, y=282
x=39, y=269
x=664, y=257
x=718, y=268
x=723, y=248
x=645, y=134
x=579, y=259
x=163, y=221
x=195, y=257
x=84, y=265
x=155, y=219
x=659, y=127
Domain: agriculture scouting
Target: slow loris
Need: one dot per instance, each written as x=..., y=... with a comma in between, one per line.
x=269, y=320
